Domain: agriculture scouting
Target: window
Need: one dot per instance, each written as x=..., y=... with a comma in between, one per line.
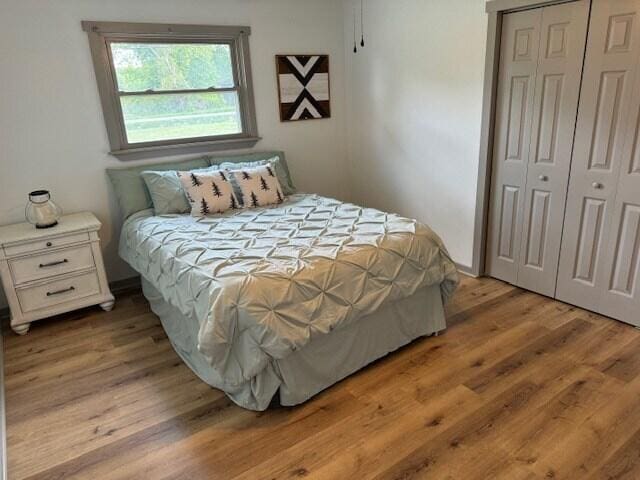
x=173, y=88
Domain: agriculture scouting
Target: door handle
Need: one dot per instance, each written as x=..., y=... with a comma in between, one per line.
x=597, y=185
x=543, y=178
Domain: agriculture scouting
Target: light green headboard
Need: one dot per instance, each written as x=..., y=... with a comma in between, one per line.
x=132, y=193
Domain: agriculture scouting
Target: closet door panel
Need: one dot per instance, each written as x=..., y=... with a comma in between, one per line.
x=594, y=214
x=514, y=111
x=589, y=239
x=561, y=54
x=621, y=269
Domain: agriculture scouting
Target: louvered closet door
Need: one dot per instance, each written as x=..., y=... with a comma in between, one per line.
x=599, y=258
x=534, y=140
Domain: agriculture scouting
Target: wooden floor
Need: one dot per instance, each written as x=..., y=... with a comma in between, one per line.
x=519, y=387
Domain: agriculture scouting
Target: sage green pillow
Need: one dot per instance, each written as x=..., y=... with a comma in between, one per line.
x=130, y=189
x=248, y=160
x=167, y=193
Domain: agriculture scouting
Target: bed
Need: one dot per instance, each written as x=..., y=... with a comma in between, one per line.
x=287, y=300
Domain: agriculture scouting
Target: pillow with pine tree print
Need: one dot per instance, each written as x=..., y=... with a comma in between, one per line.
x=208, y=193
x=259, y=186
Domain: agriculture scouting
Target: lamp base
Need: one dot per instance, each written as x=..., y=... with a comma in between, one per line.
x=47, y=226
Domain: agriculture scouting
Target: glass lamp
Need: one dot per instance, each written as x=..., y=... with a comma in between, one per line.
x=41, y=211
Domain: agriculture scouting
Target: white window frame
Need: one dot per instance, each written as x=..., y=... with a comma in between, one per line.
x=102, y=34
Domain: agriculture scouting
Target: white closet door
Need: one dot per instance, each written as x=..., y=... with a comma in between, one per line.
x=562, y=44
x=514, y=112
x=621, y=261
x=540, y=66
x=599, y=256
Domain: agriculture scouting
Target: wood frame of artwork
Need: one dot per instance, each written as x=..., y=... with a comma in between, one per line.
x=315, y=109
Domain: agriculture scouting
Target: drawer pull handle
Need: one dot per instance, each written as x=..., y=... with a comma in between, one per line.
x=49, y=244
x=53, y=264
x=58, y=292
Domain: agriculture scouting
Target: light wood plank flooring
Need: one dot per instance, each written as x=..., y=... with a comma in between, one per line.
x=519, y=387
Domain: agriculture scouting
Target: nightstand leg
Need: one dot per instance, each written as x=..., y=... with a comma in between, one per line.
x=107, y=306
x=21, y=329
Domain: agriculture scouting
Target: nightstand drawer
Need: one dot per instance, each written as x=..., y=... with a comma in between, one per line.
x=45, y=244
x=36, y=267
x=58, y=291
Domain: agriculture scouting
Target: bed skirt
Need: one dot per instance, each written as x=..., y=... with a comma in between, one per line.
x=321, y=363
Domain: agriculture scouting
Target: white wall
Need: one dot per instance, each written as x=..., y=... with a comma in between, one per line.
x=406, y=109
x=414, y=112
x=52, y=133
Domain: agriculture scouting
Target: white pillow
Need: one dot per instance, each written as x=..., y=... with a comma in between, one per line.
x=208, y=193
x=259, y=186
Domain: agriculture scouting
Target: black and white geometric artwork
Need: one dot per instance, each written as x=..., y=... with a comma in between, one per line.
x=303, y=87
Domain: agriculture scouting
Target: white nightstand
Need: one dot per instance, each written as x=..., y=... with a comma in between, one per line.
x=54, y=270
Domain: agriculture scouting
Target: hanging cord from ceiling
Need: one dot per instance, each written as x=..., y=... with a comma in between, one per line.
x=355, y=46
x=355, y=29
x=362, y=23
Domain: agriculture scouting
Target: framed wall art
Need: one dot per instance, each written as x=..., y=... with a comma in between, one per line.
x=303, y=87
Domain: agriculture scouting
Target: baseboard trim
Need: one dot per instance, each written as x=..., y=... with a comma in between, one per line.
x=124, y=286
x=466, y=270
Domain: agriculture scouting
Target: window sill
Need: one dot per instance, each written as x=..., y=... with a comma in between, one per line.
x=185, y=148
